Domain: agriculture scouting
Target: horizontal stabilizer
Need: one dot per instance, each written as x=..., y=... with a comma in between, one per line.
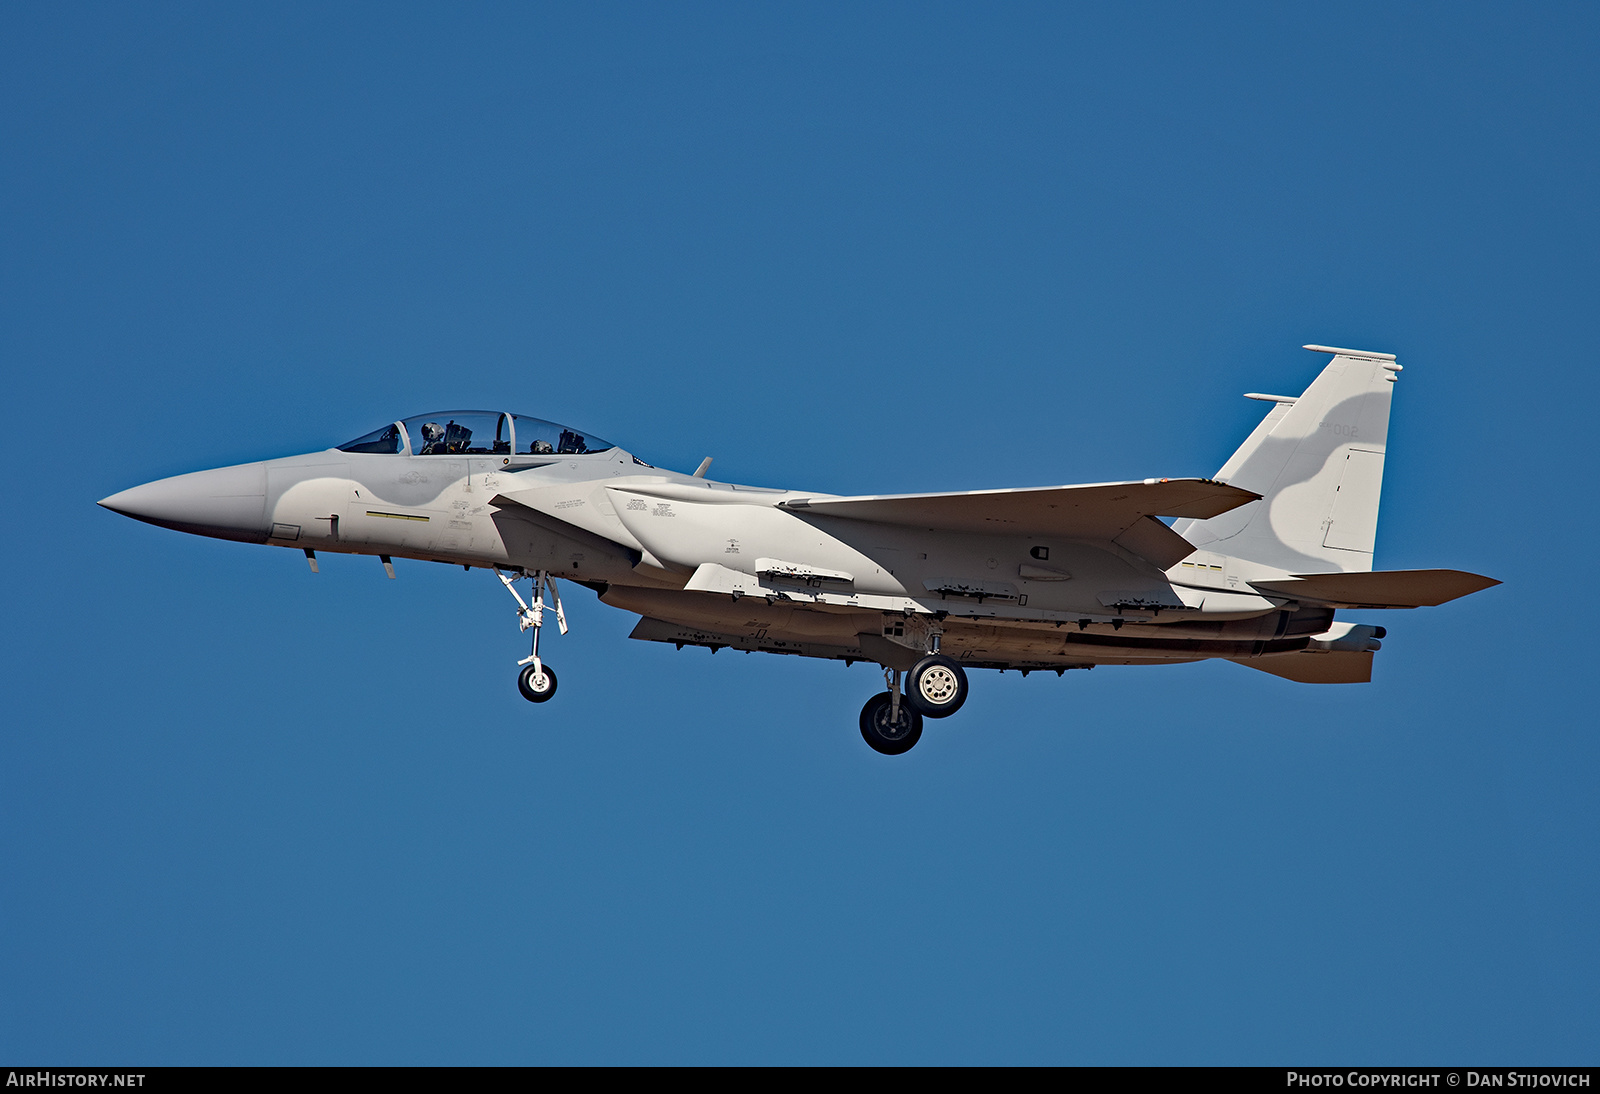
x=1306, y=667
x=1378, y=588
x=1099, y=511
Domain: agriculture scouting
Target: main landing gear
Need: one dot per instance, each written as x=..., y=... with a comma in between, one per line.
x=891, y=722
x=537, y=680
x=888, y=724
x=936, y=686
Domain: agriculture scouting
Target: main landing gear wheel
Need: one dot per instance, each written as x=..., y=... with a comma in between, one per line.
x=889, y=738
x=936, y=686
x=537, y=683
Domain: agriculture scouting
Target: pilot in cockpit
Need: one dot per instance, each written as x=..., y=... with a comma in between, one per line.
x=432, y=438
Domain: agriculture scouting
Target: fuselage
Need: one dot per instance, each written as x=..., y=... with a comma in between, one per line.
x=1250, y=565
x=721, y=564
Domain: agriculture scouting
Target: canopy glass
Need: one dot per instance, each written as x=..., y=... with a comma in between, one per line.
x=476, y=433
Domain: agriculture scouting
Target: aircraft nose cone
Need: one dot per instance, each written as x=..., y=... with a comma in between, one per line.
x=227, y=503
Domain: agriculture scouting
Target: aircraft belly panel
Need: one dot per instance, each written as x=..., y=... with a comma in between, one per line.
x=660, y=630
x=750, y=617
x=753, y=623
x=980, y=644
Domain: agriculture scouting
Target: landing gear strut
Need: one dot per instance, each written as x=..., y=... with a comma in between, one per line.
x=536, y=681
x=888, y=724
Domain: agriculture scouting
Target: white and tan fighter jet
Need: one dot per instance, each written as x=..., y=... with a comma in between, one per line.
x=1253, y=569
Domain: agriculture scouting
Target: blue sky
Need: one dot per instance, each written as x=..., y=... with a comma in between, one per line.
x=248, y=815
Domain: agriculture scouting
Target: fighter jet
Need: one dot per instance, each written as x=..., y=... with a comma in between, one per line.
x=1253, y=567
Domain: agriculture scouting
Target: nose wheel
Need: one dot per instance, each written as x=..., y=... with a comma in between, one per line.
x=536, y=680
x=537, y=683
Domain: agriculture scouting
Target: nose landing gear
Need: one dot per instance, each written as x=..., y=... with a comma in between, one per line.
x=536, y=681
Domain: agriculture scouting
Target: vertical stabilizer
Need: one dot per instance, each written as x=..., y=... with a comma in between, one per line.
x=1317, y=461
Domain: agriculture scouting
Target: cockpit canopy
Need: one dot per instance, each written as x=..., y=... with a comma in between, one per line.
x=476, y=433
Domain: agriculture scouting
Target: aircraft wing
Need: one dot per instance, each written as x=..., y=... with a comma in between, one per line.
x=1119, y=512
x=1378, y=588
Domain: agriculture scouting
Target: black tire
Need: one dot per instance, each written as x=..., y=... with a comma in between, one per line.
x=891, y=740
x=936, y=686
x=532, y=693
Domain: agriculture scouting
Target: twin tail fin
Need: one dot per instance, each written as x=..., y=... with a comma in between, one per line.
x=1317, y=460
